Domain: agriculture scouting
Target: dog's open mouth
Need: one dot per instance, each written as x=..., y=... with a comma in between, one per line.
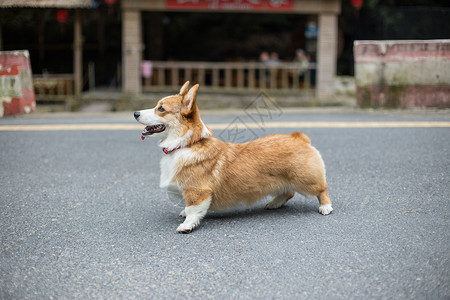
x=149, y=130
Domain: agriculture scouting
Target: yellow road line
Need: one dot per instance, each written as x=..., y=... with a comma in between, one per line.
x=64, y=127
x=221, y=126
x=330, y=125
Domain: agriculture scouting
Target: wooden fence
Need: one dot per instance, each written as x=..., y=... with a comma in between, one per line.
x=54, y=89
x=231, y=77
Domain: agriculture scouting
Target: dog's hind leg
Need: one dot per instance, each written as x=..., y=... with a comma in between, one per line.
x=325, y=203
x=279, y=200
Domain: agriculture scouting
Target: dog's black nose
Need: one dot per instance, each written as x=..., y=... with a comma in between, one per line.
x=136, y=114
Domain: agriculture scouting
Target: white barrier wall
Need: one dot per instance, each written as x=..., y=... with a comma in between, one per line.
x=402, y=74
x=16, y=84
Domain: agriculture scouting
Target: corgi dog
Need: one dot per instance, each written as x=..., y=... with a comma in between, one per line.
x=211, y=174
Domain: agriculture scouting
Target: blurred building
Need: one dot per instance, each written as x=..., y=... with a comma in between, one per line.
x=326, y=11
x=116, y=36
x=75, y=5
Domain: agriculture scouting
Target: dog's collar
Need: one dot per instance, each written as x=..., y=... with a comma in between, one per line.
x=166, y=151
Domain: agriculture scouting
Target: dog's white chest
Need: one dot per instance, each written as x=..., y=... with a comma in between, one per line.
x=168, y=171
x=170, y=165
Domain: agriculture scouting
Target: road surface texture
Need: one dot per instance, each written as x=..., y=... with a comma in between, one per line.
x=82, y=215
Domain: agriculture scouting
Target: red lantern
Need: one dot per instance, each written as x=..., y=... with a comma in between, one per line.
x=357, y=3
x=61, y=17
x=110, y=6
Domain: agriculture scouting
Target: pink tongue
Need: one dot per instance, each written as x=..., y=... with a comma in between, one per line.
x=142, y=137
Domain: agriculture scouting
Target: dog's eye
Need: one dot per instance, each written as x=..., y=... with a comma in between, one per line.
x=161, y=109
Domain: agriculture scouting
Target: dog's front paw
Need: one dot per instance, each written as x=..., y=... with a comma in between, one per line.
x=185, y=228
x=325, y=209
x=183, y=214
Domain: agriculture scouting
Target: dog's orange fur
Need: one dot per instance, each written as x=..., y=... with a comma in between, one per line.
x=227, y=173
x=231, y=173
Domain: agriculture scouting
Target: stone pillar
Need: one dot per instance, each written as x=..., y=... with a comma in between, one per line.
x=131, y=51
x=326, y=54
x=77, y=54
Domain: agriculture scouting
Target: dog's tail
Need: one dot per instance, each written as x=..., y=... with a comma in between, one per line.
x=302, y=136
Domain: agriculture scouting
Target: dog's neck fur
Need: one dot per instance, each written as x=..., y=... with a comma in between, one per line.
x=195, y=130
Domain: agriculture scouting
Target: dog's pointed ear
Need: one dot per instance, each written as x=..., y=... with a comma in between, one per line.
x=184, y=88
x=188, y=102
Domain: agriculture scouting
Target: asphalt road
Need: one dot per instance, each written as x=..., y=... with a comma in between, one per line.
x=82, y=216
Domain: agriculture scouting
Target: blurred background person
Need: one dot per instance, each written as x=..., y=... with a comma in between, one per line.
x=300, y=67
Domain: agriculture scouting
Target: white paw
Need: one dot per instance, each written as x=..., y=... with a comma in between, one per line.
x=183, y=214
x=185, y=228
x=193, y=214
x=325, y=209
x=273, y=205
